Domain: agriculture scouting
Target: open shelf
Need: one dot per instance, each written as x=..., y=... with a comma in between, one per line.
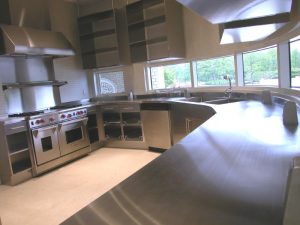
x=97, y=34
x=99, y=40
x=33, y=83
x=133, y=118
x=113, y=131
x=19, y=151
x=93, y=134
x=21, y=166
x=155, y=30
x=133, y=133
x=17, y=142
x=96, y=16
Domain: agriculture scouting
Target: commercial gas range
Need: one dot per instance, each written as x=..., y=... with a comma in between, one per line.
x=56, y=136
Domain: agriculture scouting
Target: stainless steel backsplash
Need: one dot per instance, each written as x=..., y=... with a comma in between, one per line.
x=30, y=98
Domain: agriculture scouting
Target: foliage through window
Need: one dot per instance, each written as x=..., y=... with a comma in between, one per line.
x=211, y=72
x=170, y=76
x=260, y=67
x=295, y=63
x=109, y=82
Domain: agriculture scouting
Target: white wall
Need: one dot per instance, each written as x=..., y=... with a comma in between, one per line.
x=63, y=17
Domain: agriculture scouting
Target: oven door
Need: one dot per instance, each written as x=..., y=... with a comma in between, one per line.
x=45, y=141
x=73, y=135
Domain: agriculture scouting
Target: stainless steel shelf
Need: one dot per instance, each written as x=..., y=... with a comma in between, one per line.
x=6, y=86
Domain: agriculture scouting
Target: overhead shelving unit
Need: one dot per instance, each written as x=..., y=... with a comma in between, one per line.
x=155, y=30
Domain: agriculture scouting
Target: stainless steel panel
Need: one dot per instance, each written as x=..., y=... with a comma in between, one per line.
x=130, y=108
x=230, y=171
x=157, y=128
x=45, y=143
x=216, y=11
x=67, y=142
x=15, y=127
x=28, y=41
x=61, y=160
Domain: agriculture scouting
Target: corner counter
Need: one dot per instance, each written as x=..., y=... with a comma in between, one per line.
x=232, y=170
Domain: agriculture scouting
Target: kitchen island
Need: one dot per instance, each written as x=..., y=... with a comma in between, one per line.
x=232, y=170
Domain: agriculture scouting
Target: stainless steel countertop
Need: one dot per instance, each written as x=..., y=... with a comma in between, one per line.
x=233, y=170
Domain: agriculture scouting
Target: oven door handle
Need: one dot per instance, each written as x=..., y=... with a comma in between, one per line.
x=36, y=131
x=84, y=120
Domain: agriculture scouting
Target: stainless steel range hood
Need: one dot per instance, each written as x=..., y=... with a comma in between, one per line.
x=15, y=41
x=216, y=11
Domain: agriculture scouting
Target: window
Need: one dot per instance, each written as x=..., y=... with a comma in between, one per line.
x=170, y=76
x=211, y=72
x=295, y=62
x=260, y=67
x=109, y=82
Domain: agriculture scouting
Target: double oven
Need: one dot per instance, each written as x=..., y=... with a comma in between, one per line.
x=58, y=138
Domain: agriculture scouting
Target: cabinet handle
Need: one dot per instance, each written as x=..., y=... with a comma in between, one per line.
x=15, y=128
x=128, y=108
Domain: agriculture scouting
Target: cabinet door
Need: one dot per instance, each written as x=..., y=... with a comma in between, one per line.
x=157, y=128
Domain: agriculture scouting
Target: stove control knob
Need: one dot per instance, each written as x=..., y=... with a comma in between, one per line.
x=32, y=123
x=63, y=116
x=42, y=121
x=78, y=113
x=37, y=122
x=69, y=115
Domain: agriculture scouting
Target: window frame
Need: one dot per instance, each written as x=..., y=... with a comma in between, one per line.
x=193, y=62
x=148, y=77
x=295, y=39
x=257, y=50
x=97, y=84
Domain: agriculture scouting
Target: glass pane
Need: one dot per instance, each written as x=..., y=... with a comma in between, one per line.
x=211, y=72
x=46, y=143
x=171, y=76
x=112, y=82
x=295, y=63
x=260, y=67
x=73, y=135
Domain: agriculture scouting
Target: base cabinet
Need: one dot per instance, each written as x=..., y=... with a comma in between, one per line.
x=15, y=159
x=94, y=127
x=123, y=126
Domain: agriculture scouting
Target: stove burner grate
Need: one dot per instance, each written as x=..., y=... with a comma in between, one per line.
x=65, y=106
x=26, y=114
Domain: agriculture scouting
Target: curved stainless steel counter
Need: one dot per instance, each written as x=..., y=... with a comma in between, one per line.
x=232, y=170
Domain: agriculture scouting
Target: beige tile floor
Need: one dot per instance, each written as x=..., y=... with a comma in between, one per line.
x=53, y=197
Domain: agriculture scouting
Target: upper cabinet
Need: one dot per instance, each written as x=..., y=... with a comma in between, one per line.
x=143, y=30
x=155, y=30
x=98, y=39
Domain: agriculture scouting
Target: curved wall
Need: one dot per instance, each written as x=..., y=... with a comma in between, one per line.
x=202, y=38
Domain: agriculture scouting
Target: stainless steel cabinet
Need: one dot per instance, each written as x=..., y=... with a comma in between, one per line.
x=15, y=160
x=94, y=127
x=156, y=119
x=98, y=39
x=102, y=36
x=155, y=30
x=123, y=126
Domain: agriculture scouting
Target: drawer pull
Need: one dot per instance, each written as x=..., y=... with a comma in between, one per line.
x=15, y=128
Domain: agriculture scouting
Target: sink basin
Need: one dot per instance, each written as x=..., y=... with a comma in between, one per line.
x=224, y=101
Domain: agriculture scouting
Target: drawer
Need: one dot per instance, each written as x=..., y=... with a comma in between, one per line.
x=105, y=108
x=15, y=127
x=130, y=108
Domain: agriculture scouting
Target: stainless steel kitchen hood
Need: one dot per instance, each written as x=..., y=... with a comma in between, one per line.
x=216, y=11
x=15, y=41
